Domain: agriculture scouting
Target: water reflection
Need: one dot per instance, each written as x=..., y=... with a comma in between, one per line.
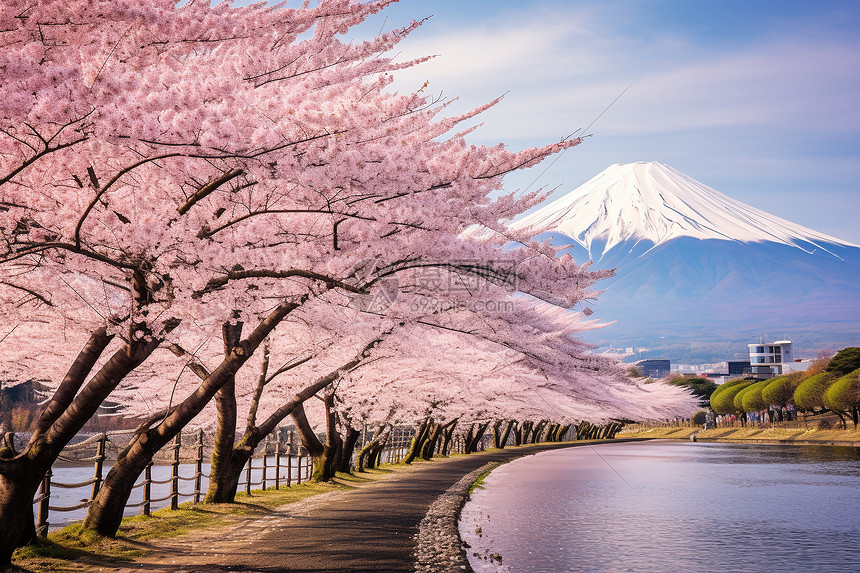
x=670, y=506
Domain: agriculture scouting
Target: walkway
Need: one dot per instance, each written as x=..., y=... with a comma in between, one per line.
x=368, y=529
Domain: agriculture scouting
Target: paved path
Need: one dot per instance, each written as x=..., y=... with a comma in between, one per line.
x=371, y=528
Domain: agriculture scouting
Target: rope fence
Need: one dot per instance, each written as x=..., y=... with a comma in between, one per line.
x=288, y=468
x=279, y=463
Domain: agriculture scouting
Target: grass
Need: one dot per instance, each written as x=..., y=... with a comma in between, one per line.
x=73, y=550
x=800, y=435
x=479, y=482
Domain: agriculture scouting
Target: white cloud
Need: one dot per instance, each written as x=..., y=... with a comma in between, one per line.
x=560, y=73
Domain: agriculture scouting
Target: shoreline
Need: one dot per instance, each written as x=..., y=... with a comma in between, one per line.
x=783, y=436
x=438, y=545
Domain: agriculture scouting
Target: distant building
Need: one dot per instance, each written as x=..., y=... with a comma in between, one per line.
x=739, y=368
x=654, y=368
x=771, y=358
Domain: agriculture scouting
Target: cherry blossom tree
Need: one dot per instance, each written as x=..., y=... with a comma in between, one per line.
x=81, y=126
x=176, y=174
x=139, y=201
x=487, y=370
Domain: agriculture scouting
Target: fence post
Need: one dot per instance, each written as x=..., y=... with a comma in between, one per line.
x=278, y=464
x=248, y=476
x=198, y=478
x=100, y=460
x=265, y=462
x=299, y=464
x=44, y=502
x=174, y=473
x=289, y=464
x=147, y=488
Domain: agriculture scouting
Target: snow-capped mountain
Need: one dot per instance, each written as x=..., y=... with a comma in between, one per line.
x=700, y=274
x=650, y=201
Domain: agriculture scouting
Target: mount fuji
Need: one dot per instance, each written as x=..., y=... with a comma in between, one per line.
x=699, y=275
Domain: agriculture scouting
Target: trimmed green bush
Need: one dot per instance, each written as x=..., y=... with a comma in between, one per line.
x=843, y=395
x=779, y=391
x=738, y=400
x=751, y=400
x=722, y=401
x=726, y=385
x=809, y=395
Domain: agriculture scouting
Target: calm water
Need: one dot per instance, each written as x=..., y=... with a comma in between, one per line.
x=666, y=507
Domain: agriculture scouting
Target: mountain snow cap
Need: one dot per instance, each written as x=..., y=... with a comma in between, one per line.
x=651, y=201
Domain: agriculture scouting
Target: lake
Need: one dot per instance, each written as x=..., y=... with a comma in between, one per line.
x=662, y=506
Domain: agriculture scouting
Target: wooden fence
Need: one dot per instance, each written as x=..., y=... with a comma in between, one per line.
x=297, y=468
x=278, y=463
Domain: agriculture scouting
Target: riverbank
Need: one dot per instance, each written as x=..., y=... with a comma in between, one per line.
x=751, y=435
x=390, y=521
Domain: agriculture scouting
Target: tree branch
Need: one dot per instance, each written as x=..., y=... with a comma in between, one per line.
x=208, y=188
x=101, y=191
x=220, y=282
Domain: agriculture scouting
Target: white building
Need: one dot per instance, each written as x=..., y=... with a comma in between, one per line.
x=771, y=358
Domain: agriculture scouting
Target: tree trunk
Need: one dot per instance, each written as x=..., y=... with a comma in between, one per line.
x=841, y=419
x=527, y=429
x=365, y=457
x=310, y=441
x=375, y=455
x=17, y=528
x=468, y=438
x=497, y=434
x=222, y=485
x=518, y=434
x=476, y=438
x=447, y=434
x=66, y=413
x=349, y=442
x=537, y=434
x=363, y=453
x=254, y=434
x=21, y=474
x=417, y=441
x=105, y=512
x=506, y=433
x=323, y=454
x=333, y=444
x=502, y=433
x=373, y=450
x=429, y=447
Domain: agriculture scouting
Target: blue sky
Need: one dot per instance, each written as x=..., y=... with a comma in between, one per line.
x=758, y=99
